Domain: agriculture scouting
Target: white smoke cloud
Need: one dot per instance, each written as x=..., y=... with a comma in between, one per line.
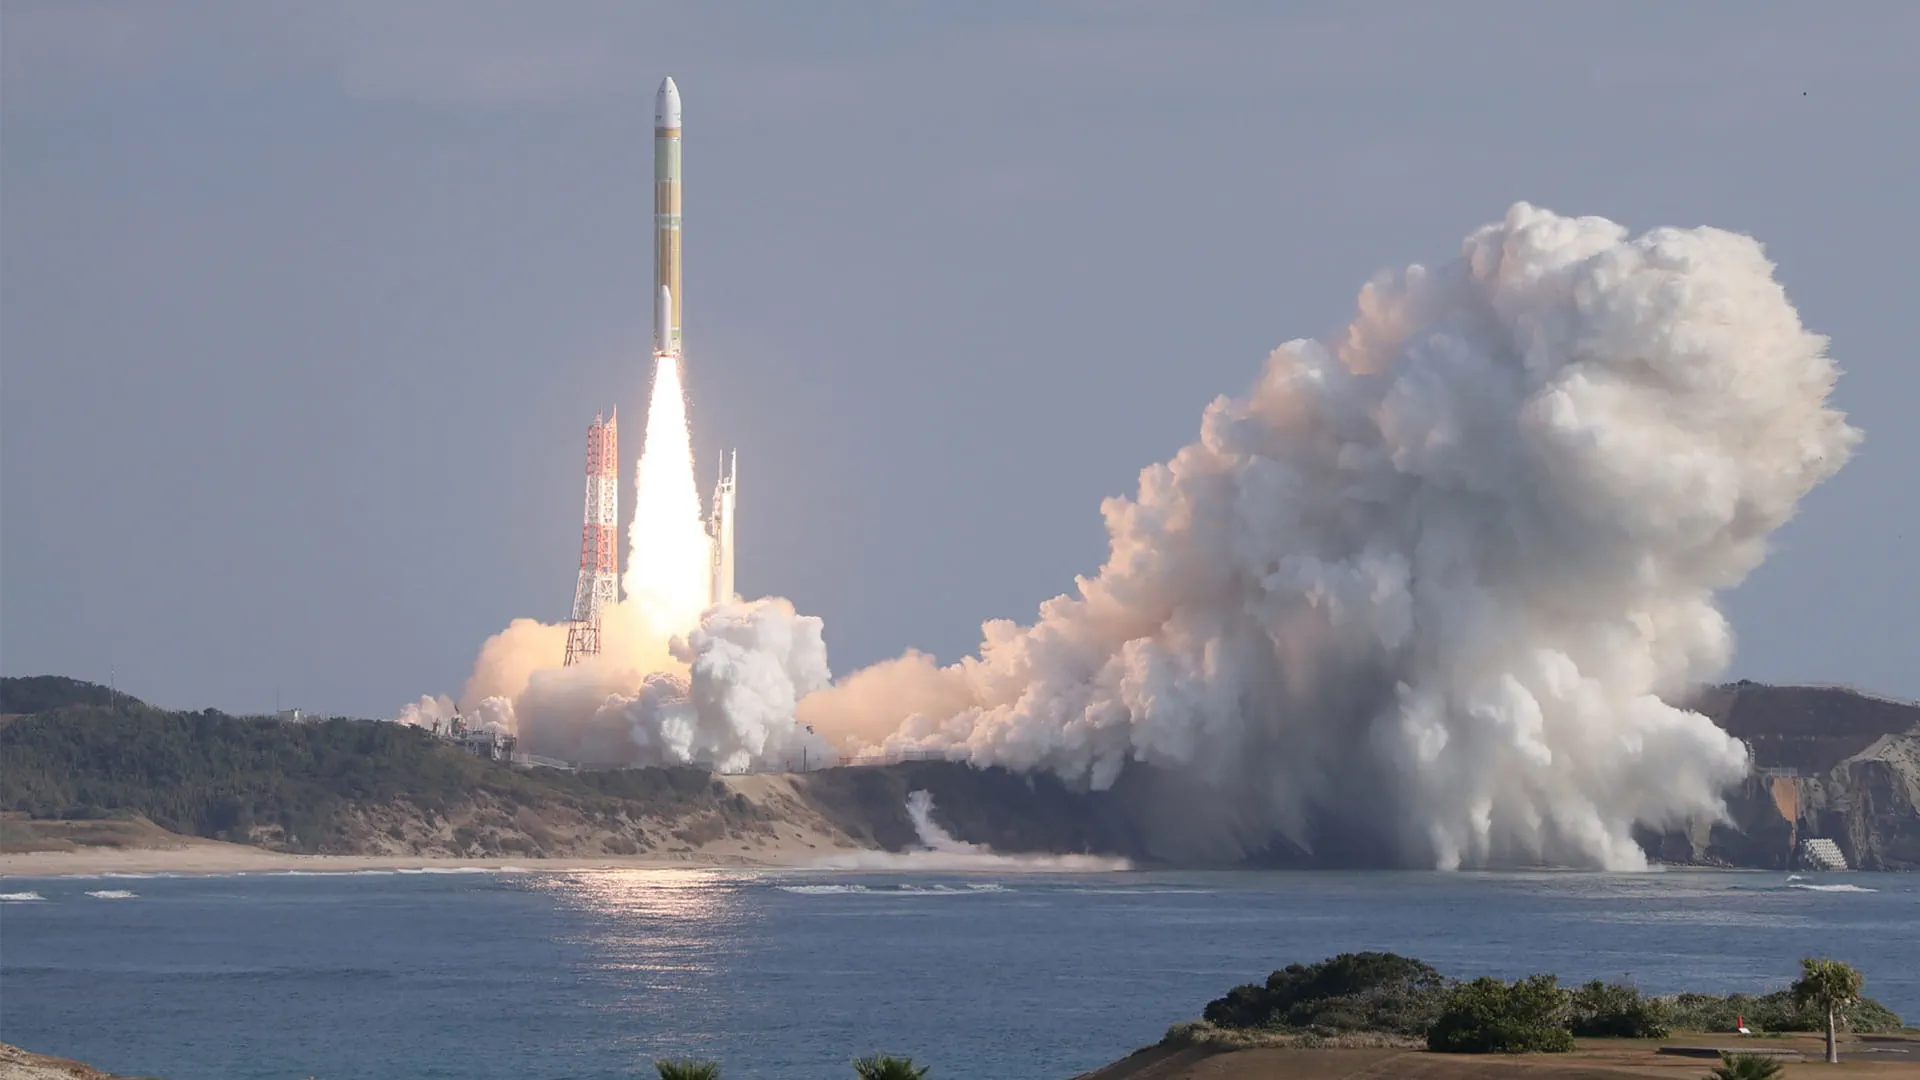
x=1425, y=593
x=725, y=697
x=673, y=684
x=940, y=852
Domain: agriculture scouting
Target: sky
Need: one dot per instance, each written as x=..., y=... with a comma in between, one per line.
x=304, y=309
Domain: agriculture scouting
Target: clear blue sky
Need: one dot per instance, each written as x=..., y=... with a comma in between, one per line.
x=304, y=308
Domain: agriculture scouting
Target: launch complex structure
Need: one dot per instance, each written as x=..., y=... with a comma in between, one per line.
x=598, y=587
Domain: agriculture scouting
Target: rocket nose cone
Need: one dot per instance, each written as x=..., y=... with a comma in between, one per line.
x=666, y=105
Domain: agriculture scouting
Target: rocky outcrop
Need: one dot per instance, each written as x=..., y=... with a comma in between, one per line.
x=1828, y=762
x=18, y=1064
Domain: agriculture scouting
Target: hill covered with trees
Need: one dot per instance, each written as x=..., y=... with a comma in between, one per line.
x=340, y=786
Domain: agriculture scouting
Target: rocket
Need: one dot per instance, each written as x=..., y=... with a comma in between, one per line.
x=666, y=220
x=666, y=320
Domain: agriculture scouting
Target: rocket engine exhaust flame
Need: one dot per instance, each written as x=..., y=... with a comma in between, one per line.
x=668, y=565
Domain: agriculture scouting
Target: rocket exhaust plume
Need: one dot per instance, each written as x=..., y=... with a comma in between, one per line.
x=680, y=671
x=1424, y=596
x=668, y=573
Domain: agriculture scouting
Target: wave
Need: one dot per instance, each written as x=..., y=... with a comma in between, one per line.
x=1144, y=890
x=846, y=889
x=112, y=894
x=380, y=872
x=324, y=873
x=954, y=862
x=1811, y=887
x=19, y=897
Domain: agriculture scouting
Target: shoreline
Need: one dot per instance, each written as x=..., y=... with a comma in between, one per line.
x=215, y=859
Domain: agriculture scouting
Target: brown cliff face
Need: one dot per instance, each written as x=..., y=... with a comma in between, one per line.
x=1829, y=762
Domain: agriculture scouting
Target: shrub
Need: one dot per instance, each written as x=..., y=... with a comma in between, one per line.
x=887, y=1067
x=1746, y=1067
x=1771, y=1012
x=1618, y=1011
x=1368, y=991
x=1487, y=1016
x=687, y=1069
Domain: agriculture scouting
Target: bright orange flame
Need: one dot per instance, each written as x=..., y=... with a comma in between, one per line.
x=668, y=553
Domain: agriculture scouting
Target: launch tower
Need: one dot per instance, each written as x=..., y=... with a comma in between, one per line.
x=599, y=564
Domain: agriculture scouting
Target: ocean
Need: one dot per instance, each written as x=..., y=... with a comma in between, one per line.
x=481, y=975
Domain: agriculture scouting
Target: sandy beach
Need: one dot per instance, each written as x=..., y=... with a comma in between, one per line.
x=213, y=857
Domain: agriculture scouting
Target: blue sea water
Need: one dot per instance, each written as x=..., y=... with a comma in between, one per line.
x=592, y=974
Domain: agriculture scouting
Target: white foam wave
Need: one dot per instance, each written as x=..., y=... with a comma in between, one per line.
x=330, y=873
x=19, y=897
x=112, y=894
x=1811, y=887
x=1143, y=891
x=903, y=889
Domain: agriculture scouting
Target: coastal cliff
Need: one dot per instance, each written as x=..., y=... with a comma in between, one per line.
x=1830, y=763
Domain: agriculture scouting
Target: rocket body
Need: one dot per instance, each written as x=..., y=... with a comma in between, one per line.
x=667, y=292
x=666, y=220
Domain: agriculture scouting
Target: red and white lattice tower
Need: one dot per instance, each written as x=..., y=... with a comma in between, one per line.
x=599, y=567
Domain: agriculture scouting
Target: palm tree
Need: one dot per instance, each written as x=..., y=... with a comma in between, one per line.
x=1831, y=986
x=687, y=1069
x=887, y=1067
x=1746, y=1067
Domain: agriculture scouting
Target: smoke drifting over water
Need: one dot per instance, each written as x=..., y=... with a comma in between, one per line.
x=1421, y=597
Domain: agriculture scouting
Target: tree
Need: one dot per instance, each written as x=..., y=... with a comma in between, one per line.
x=1830, y=986
x=687, y=1069
x=1616, y=1010
x=1487, y=1016
x=1746, y=1067
x=1367, y=991
x=887, y=1067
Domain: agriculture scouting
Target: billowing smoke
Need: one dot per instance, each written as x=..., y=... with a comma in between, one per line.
x=1425, y=595
x=673, y=684
x=724, y=698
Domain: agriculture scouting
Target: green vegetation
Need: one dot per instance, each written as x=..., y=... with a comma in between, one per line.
x=1383, y=999
x=687, y=1069
x=1487, y=1016
x=886, y=1067
x=1370, y=991
x=44, y=693
x=1616, y=1010
x=219, y=776
x=1775, y=1012
x=1746, y=1067
x=1830, y=987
